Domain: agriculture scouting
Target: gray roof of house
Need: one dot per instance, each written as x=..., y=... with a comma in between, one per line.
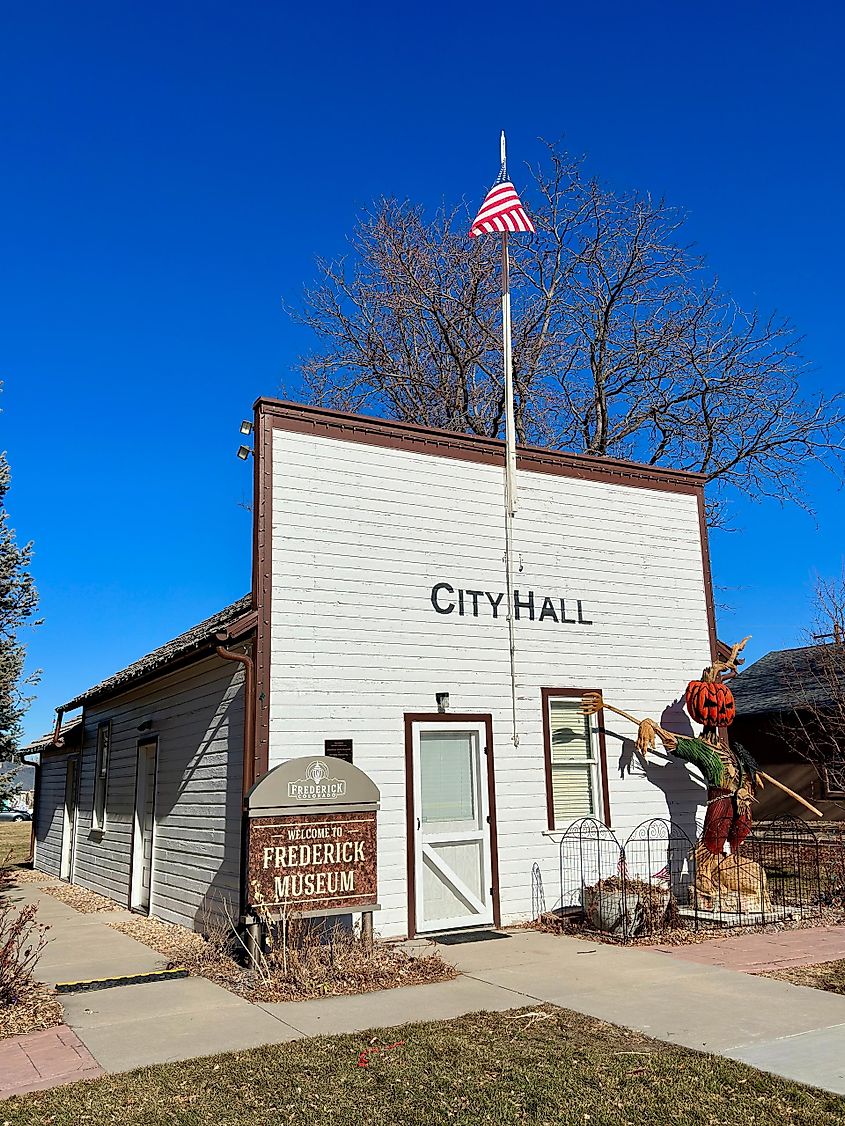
x=788, y=679
x=192, y=640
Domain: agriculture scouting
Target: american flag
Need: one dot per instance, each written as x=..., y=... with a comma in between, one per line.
x=501, y=210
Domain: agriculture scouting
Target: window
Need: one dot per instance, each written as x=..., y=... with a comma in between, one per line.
x=576, y=773
x=101, y=776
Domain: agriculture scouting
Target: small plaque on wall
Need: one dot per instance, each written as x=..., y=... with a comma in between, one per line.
x=339, y=748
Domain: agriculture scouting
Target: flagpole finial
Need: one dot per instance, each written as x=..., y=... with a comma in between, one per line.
x=503, y=149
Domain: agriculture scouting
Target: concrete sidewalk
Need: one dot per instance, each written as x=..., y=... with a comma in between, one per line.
x=791, y=1031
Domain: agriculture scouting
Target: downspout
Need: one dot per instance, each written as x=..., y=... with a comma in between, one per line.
x=248, y=663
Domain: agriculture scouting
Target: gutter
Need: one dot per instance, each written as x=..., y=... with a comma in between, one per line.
x=245, y=659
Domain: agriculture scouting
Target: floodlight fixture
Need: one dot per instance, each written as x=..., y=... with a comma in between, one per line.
x=246, y=427
x=244, y=452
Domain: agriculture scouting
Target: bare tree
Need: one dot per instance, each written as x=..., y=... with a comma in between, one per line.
x=624, y=344
x=814, y=684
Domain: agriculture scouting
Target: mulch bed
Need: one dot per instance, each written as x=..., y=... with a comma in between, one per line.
x=39, y=1009
x=350, y=971
x=81, y=899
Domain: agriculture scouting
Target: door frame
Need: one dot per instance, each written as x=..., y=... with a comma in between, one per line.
x=455, y=719
x=69, y=823
x=134, y=876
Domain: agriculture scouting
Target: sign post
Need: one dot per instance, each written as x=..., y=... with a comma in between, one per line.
x=312, y=843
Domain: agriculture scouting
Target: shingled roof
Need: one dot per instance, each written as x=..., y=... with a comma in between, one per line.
x=786, y=679
x=186, y=643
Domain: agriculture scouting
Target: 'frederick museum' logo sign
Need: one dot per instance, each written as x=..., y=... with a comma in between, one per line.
x=527, y=605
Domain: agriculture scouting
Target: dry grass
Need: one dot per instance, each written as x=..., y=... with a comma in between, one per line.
x=38, y=1009
x=541, y=1067
x=15, y=839
x=312, y=968
x=81, y=899
x=829, y=976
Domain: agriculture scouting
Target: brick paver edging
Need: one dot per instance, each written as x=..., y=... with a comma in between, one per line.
x=44, y=1059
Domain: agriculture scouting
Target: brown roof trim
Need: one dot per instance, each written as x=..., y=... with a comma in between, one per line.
x=303, y=419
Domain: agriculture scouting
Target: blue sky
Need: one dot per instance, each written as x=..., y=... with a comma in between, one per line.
x=171, y=170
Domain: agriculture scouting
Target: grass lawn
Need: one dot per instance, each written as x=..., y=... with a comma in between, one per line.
x=547, y=1069
x=15, y=837
x=824, y=975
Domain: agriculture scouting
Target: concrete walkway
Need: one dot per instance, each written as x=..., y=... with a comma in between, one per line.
x=792, y=1031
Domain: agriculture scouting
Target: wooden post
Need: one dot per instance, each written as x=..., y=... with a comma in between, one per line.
x=253, y=940
x=367, y=930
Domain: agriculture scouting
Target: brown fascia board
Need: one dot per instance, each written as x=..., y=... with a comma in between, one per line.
x=238, y=630
x=299, y=418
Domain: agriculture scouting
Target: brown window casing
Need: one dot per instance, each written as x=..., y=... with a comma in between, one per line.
x=547, y=695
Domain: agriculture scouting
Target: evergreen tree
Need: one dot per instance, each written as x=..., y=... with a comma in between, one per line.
x=18, y=603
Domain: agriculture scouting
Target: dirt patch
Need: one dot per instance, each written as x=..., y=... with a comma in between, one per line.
x=316, y=968
x=829, y=976
x=32, y=876
x=81, y=899
x=38, y=1009
x=685, y=934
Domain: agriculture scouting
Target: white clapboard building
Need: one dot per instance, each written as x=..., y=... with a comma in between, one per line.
x=377, y=630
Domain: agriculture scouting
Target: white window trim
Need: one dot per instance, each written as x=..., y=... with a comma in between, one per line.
x=101, y=777
x=597, y=762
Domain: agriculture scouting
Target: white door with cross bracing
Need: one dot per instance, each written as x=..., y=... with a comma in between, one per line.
x=452, y=853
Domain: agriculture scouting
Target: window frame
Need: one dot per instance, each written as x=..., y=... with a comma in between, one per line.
x=597, y=737
x=101, y=777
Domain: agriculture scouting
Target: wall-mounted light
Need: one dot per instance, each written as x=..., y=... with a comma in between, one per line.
x=244, y=452
x=147, y=725
x=442, y=699
x=246, y=427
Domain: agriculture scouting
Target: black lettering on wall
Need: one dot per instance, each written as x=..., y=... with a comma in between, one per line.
x=581, y=619
x=474, y=595
x=495, y=603
x=548, y=611
x=435, y=596
x=461, y=603
x=526, y=604
x=566, y=621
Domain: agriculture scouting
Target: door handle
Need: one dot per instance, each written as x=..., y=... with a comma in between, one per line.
x=419, y=823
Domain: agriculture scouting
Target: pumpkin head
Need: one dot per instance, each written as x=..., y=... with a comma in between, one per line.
x=710, y=702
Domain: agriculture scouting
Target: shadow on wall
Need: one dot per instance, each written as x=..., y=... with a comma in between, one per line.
x=685, y=793
x=199, y=806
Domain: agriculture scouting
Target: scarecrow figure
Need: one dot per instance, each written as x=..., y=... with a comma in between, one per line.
x=732, y=777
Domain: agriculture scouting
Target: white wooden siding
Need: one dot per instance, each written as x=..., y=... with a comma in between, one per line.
x=50, y=814
x=361, y=533
x=197, y=714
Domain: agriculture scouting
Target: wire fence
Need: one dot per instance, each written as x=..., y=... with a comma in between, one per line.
x=660, y=880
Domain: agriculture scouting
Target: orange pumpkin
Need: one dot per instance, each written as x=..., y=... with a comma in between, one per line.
x=710, y=702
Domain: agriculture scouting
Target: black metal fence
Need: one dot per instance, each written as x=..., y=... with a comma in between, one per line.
x=660, y=880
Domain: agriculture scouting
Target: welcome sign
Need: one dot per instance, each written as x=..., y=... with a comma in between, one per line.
x=312, y=839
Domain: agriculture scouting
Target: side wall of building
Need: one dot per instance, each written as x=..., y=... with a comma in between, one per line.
x=361, y=534
x=50, y=814
x=197, y=716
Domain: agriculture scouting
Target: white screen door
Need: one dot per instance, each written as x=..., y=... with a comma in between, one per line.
x=142, y=842
x=452, y=859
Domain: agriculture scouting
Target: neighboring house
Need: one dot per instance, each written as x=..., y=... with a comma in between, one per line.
x=378, y=621
x=790, y=714
x=21, y=776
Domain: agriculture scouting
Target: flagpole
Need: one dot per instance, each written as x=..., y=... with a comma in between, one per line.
x=510, y=457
